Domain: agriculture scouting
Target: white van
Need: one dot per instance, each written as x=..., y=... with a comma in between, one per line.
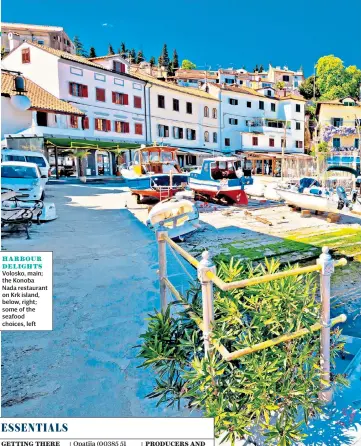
x=27, y=156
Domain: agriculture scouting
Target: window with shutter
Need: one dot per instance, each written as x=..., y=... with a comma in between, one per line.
x=271, y=142
x=85, y=122
x=125, y=99
x=137, y=102
x=122, y=67
x=109, y=125
x=138, y=129
x=25, y=55
x=100, y=94
x=78, y=90
x=73, y=121
x=255, y=141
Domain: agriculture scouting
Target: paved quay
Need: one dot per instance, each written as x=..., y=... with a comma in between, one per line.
x=105, y=284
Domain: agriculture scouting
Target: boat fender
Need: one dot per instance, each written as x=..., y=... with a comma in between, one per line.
x=315, y=191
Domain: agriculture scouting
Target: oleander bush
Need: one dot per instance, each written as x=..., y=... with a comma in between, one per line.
x=272, y=392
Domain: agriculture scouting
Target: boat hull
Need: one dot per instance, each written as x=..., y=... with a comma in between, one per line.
x=231, y=195
x=179, y=218
x=308, y=201
x=154, y=194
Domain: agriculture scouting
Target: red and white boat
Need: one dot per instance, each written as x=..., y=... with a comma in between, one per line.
x=220, y=180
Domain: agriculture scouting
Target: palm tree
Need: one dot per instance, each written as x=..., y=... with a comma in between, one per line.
x=81, y=155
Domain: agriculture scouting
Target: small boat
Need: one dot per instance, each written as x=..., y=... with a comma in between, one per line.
x=154, y=173
x=256, y=189
x=270, y=192
x=220, y=180
x=178, y=217
x=312, y=196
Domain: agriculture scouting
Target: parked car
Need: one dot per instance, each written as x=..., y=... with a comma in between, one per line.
x=27, y=156
x=23, y=178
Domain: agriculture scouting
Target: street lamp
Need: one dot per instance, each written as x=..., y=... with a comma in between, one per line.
x=20, y=100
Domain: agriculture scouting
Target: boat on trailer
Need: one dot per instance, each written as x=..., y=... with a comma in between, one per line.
x=155, y=173
x=220, y=180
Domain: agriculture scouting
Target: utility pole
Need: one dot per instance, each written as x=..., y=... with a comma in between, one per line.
x=283, y=150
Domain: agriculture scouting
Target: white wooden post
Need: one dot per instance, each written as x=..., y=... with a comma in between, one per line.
x=162, y=259
x=207, y=296
x=328, y=267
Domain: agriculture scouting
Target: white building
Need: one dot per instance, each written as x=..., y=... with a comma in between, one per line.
x=13, y=34
x=112, y=101
x=257, y=122
x=181, y=117
x=58, y=114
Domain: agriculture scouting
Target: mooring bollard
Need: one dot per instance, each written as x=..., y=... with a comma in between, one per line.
x=206, y=265
x=162, y=259
x=328, y=268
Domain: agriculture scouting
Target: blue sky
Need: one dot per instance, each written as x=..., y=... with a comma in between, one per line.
x=210, y=33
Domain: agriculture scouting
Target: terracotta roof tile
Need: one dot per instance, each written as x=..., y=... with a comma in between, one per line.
x=40, y=98
x=26, y=26
x=173, y=86
x=108, y=56
x=74, y=58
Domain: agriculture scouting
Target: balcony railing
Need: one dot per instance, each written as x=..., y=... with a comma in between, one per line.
x=268, y=123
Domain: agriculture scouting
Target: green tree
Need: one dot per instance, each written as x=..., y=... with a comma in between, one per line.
x=175, y=61
x=131, y=56
x=92, y=52
x=280, y=85
x=334, y=80
x=140, y=56
x=110, y=50
x=261, y=69
x=152, y=61
x=256, y=69
x=269, y=388
x=80, y=155
x=188, y=65
x=307, y=89
x=163, y=59
x=79, y=47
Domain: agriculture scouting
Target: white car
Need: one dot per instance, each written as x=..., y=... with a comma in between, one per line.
x=27, y=156
x=23, y=178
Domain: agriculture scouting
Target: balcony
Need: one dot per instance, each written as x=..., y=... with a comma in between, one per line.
x=267, y=125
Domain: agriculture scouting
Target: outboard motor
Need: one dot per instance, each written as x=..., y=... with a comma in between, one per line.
x=342, y=198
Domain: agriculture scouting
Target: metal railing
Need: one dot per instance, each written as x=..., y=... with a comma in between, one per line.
x=206, y=273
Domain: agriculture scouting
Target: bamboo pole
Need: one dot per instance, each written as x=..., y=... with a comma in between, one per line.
x=252, y=281
x=282, y=338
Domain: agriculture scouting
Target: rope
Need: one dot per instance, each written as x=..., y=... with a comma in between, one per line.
x=181, y=264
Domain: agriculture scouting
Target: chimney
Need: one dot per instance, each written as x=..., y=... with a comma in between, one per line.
x=14, y=40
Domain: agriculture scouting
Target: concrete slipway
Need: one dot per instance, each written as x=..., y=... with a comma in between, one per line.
x=105, y=284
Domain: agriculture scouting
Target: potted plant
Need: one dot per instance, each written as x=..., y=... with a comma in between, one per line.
x=81, y=155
